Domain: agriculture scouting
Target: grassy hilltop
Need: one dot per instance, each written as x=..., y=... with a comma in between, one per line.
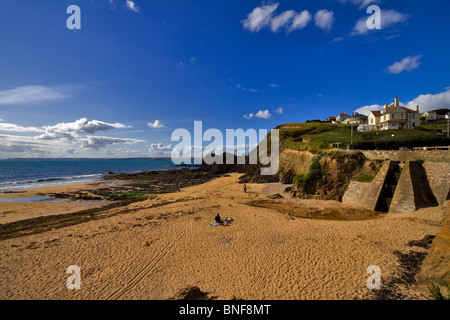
x=317, y=136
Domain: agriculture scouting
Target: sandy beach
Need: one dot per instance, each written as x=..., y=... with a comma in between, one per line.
x=151, y=249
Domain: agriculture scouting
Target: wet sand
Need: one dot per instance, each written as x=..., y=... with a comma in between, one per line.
x=26, y=209
x=152, y=249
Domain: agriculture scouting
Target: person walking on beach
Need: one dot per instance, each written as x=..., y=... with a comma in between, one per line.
x=245, y=188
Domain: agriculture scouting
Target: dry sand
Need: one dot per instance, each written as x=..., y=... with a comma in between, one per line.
x=152, y=249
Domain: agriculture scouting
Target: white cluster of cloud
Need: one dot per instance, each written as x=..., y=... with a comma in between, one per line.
x=10, y=127
x=160, y=150
x=260, y=17
x=324, y=19
x=264, y=16
x=60, y=139
x=366, y=110
x=389, y=18
x=426, y=102
x=70, y=131
x=262, y=114
x=98, y=142
x=131, y=5
x=23, y=145
x=407, y=64
x=156, y=125
x=290, y=20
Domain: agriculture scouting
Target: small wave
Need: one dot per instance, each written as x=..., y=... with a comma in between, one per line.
x=49, y=182
x=50, y=179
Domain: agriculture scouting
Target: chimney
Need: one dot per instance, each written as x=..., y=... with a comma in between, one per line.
x=417, y=108
x=385, y=106
x=397, y=103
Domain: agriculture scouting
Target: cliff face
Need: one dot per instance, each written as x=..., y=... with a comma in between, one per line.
x=292, y=163
x=335, y=170
x=436, y=266
x=329, y=176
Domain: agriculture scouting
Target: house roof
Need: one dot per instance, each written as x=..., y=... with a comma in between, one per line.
x=389, y=110
x=392, y=107
x=408, y=110
x=376, y=113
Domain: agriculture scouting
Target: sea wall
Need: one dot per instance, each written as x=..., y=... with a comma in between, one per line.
x=428, y=184
x=419, y=186
x=438, y=174
x=432, y=155
x=367, y=194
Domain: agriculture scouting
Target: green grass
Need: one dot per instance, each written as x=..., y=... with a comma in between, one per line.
x=76, y=197
x=437, y=125
x=133, y=195
x=363, y=178
x=314, y=174
x=316, y=137
x=435, y=292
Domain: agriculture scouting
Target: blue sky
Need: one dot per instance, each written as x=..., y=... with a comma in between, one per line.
x=231, y=64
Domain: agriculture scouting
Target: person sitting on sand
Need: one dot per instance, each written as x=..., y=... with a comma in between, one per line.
x=218, y=219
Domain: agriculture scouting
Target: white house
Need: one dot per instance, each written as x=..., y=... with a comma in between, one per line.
x=430, y=115
x=342, y=117
x=363, y=128
x=394, y=117
x=356, y=119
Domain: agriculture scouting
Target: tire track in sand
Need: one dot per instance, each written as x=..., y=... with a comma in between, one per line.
x=147, y=269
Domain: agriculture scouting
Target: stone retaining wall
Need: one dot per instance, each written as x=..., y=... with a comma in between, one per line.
x=439, y=178
x=367, y=194
x=396, y=155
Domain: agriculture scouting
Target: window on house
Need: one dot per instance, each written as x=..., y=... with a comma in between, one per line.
x=413, y=115
x=385, y=118
x=393, y=116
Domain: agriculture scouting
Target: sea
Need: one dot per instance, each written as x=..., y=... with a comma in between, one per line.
x=18, y=174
